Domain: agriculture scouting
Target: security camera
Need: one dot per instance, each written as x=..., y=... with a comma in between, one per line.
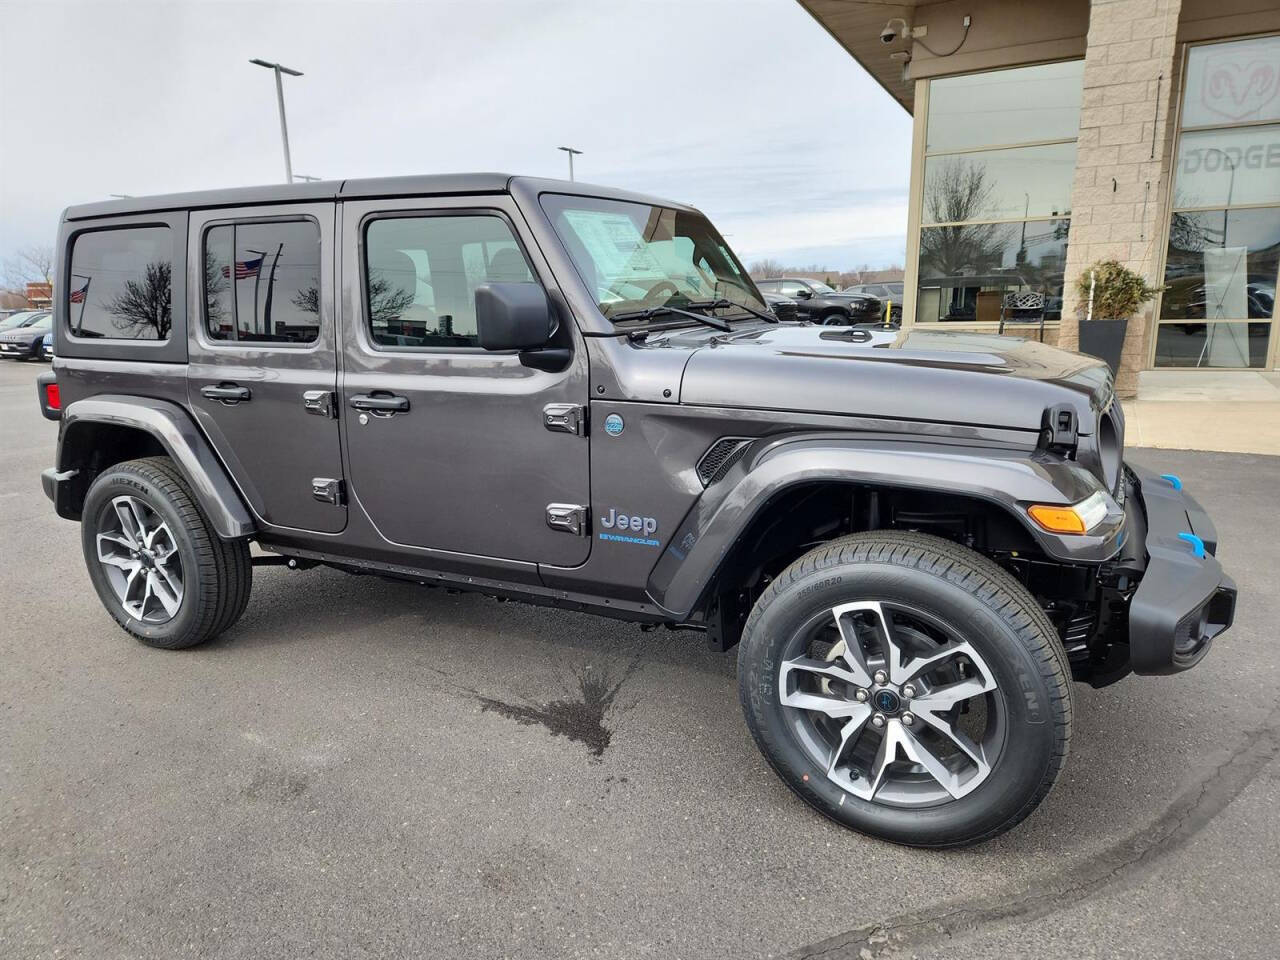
x=893, y=30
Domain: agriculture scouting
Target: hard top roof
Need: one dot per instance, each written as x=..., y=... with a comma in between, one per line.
x=315, y=191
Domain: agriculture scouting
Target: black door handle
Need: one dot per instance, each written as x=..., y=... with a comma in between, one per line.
x=226, y=392
x=385, y=404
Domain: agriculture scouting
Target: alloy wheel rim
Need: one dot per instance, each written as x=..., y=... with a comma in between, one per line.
x=895, y=705
x=140, y=557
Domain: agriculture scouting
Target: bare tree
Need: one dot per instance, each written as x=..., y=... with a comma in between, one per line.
x=32, y=264
x=386, y=302
x=762, y=269
x=146, y=302
x=959, y=192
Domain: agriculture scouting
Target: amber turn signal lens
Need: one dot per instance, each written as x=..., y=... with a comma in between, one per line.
x=1057, y=519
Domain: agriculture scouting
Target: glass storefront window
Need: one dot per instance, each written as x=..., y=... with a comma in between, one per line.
x=1232, y=83
x=1222, y=265
x=965, y=271
x=1221, y=168
x=1024, y=105
x=1019, y=183
x=1212, y=344
x=1000, y=157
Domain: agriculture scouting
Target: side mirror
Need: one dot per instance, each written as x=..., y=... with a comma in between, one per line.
x=513, y=316
x=804, y=294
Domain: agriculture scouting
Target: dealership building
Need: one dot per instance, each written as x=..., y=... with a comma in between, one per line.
x=1049, y=134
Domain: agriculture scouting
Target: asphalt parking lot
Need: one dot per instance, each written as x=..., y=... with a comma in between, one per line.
x=367, y=769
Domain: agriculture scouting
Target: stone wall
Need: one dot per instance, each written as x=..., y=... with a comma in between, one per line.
x=1124, y=162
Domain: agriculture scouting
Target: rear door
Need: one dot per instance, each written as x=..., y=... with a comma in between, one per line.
x=468, y=453
x=262, y=375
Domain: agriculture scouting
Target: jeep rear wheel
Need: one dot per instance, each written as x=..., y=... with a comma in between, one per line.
x=908, y=688
x=158, y=566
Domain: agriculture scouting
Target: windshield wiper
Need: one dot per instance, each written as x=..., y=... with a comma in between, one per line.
x=722, y=302
x=650, y=312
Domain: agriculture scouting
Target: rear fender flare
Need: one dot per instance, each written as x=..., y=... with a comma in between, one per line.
x=181, y=439
x=1007, y=478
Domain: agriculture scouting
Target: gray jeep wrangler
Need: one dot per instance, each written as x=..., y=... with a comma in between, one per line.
x=576, y=396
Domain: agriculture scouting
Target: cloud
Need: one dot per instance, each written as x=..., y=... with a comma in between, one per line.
x=746, y=109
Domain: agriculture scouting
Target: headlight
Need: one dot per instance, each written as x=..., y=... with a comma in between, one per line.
x=1078, y=519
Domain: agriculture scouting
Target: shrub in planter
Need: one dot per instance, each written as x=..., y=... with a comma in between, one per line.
x=1111, y=293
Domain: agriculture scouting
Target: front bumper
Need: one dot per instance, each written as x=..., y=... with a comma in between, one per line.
x=1184, y=599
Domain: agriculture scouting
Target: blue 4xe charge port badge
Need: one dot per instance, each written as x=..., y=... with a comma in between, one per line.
x=613, y=424
x=630, y=528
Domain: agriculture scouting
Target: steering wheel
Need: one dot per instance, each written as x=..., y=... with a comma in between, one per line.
x=652, y=292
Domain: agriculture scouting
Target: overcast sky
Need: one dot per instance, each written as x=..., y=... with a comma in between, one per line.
x=745, y=109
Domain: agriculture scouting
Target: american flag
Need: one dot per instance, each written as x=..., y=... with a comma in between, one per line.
x=77, y=296
x=244, y=269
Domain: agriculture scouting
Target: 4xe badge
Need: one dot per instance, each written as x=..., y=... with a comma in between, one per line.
x=613, y=425
x=627, y=527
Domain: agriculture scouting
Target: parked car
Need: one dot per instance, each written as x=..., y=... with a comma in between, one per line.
x=784, y=308
x=823, y=304
x=591, y=408
x=23, y=342
x=46, y=346
x=22, y=318
x=888, y=292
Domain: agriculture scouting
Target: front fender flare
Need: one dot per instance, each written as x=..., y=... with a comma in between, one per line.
x=1007, y=478
x=181, y=439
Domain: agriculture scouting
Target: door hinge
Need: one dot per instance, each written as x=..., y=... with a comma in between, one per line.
x=323, y=403
x=565, y=418
x=327, y=490
x=569, y=517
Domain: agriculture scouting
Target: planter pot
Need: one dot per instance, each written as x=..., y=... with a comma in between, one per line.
x=1104, y=339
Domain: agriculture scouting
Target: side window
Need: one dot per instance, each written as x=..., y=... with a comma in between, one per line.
x=421, y=275
x=121, y=284
x=768, y=286
x=790, y=288
x=262, y=282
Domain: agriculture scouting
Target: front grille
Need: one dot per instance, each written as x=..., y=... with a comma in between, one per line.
x=720, y=458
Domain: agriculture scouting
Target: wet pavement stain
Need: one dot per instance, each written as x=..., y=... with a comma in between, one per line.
x=580, y=719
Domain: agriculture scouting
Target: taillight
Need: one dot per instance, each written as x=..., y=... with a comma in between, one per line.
x=52, y=398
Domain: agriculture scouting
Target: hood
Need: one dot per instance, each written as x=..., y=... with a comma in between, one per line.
x=962, y=378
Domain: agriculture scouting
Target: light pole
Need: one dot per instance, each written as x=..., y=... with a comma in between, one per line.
x=284, y=129
x=570, y=151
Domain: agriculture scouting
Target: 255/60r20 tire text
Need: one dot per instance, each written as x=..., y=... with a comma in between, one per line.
x=158, y=566
x=907, y=688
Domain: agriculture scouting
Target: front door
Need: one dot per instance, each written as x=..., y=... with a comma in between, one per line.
x=448, y=444
x=262, y=376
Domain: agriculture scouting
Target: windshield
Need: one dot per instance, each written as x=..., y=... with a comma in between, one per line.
x=820, y=287
x=634, y=256
x=24, y=319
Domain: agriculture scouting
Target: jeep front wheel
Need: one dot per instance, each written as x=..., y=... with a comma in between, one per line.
x=908, y=688
x=158, y=566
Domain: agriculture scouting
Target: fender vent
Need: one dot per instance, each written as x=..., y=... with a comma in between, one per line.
x=720, y=458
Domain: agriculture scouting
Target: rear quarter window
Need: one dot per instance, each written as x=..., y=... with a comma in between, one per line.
x=121, y=284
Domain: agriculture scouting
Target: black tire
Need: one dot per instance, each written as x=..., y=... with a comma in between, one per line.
x=217, y=574
x=959, y=588
x=835, y=319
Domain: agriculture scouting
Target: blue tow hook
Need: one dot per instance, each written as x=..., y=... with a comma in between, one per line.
x=1197, y=545
x=1175, y=481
